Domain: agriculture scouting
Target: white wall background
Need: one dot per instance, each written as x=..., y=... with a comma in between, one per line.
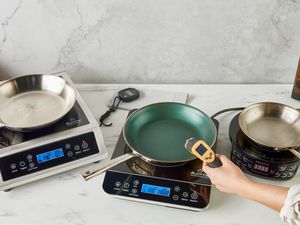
x=152, y=41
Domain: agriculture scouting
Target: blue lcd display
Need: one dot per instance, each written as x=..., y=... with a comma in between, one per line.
x=155, y=190
x=201, y=149
x=47, y=156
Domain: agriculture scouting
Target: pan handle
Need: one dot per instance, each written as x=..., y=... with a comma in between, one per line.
x=295, y=152
x=106, y=165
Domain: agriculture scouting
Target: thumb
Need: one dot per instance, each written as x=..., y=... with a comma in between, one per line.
x=225, y=160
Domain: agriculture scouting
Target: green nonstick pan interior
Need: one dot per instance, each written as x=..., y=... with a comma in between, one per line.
x=159, y=131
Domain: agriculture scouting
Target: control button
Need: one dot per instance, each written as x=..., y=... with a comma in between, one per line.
x=272, y=171
x=283, y=175
x=194, y=195
x=235, y=151
x=126, y=185
x=177, y=188
x=250, y=165
x=134, y=191
x=22, y=163
x=247, y=160
x=118, y=184
x=13, y=166
x=240, y=155
x=244, y=165
x=277, y=174
x=292, y=167
x=281, y=168
x=31, y=165
x=68, y=146
x=239, y=162
x=29, y=157
x=76, y=147
x=70, y=153
x=233, y=158
x=84, y=145
x=175, y=197
x=290, y=174
x=136, y=182
x=185, y=194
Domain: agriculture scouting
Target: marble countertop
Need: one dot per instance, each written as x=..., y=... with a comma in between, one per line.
x=67, y=199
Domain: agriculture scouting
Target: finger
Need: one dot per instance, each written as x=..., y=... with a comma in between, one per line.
x=207, y=169
x=225, y=160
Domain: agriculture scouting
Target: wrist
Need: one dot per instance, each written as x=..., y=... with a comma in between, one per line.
x=244, y=189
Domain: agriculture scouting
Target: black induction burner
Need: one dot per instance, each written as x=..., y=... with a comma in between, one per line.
x=257, y=160
x=74, y=118
x=181, y=186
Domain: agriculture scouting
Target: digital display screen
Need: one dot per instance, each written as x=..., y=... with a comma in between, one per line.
x=201, y=149
x=155, y=190
x=47, y=156
x=261, y=168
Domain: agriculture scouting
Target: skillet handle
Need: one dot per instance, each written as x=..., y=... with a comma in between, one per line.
x=106, y=165
x=216, y=163
x=295, y=152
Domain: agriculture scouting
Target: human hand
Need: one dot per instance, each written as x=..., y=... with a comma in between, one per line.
x=227, y=178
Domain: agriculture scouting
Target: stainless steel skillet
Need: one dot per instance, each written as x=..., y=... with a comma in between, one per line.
x=34, y=101
x=272, y=125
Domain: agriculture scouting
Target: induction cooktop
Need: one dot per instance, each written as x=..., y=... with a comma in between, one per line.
x=183, y=186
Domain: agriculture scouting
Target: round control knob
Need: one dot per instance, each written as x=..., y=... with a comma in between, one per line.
x=126, y=185
x=22, y=163
x=29, y=157
x=76, y=147
x=70, y=153
x=185, y=194
x=68, y=146
x=31, y=165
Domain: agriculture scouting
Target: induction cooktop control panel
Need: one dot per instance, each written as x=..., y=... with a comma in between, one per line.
x=170, y=192
x=47, y=156
x=263, y=168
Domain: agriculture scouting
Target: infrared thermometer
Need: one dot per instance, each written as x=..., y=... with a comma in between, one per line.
x=203, y=151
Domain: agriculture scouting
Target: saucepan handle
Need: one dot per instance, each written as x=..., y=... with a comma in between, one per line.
x=106, y=165
x=295, y=152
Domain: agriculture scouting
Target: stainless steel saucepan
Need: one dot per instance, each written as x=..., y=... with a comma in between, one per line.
x=272, y=125
x=34, y=101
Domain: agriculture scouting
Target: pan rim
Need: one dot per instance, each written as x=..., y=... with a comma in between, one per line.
x=149, y=159
x=295, y=145
x=31, y=128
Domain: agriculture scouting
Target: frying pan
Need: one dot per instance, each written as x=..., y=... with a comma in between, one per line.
x=34, y=101
x=272, y=125
x=156, y=133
